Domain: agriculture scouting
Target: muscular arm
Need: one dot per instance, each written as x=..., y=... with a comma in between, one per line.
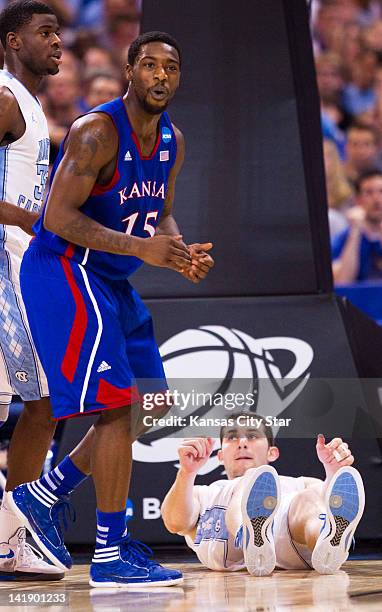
x=92, y=144
x=11, y=127
x=180, y=510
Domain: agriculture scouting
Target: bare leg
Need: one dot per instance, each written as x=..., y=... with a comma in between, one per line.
x=30, y=443
x=111, y=459
x=80, y=455
x=303, y=517
x=233, y=516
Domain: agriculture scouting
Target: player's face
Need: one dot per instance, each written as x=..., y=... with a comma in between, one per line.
x=155, y=76
x=245, y=448
x=40, y=45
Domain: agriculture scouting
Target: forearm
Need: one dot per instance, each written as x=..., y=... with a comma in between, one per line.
x=10, y=214
x=178, y=511
x=80, y=229
x=346, y=268
x=168, y=226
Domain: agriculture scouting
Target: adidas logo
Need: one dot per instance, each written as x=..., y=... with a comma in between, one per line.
x=128, y=156
x=103, y=367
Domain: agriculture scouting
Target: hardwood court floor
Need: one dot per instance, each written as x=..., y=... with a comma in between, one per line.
x=359, y=587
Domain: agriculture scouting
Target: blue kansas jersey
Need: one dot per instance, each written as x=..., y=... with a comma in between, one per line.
x=132, y=202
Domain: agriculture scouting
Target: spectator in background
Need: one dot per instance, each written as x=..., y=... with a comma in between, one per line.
x=61, y=105
x=359, y=95
x=357, y=251
x=96, y=57
x=339, y=192
x=330, y=85
x=100, y=86
x=361, y=151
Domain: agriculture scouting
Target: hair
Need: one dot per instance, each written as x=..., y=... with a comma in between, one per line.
x=266, y=429
x=338, y=188
x=149, y=37
x=362, y=127
x=18, y=14
x=366, y=175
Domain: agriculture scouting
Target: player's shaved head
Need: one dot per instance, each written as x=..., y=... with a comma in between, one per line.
x=18, y=14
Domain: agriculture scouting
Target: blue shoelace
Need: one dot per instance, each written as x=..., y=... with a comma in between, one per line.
x=62, y=511
x=135, y=550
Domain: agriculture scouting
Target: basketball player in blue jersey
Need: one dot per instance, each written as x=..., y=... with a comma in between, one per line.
x=29, y=34
x=109, y=210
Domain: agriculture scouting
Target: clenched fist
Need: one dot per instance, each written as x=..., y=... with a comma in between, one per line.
x=194, y=453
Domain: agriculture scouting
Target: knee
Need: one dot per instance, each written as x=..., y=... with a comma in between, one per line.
x=39, y=411
x=120, y=418
x=305, y=506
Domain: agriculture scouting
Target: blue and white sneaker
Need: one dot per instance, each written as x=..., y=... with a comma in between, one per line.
x=345, y=501
x=41, y=513
x=125, y=565
x=259, y=504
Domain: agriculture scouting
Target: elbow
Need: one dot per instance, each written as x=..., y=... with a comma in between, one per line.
x=50, y=222
x=47, y=224
x=171, y=525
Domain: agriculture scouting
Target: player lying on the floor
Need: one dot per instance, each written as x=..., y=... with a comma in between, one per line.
x=229, y=522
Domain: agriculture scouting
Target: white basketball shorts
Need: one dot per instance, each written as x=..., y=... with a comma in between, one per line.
x=21, y=372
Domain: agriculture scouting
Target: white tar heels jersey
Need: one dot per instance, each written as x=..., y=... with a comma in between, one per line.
x=215, y=546
x=24, y=165
x=23, y=174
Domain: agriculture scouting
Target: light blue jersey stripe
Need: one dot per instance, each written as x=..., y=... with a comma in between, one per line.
x=3, y=186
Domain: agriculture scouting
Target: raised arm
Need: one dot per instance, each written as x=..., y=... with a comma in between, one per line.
x=180, y=509
x=92, y=144
x=12, y=126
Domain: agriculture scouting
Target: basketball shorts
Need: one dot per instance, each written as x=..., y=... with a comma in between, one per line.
x=215, y=546
x=94, y=336
x=21, y=372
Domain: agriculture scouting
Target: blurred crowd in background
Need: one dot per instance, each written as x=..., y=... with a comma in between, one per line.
x=347, y=41
x=96, y=35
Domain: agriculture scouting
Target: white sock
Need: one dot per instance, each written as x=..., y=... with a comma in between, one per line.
x=9, y=522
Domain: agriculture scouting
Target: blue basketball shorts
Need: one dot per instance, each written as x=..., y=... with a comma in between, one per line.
x=94, y=336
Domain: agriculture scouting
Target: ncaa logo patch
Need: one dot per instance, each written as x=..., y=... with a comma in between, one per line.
x=166, y=134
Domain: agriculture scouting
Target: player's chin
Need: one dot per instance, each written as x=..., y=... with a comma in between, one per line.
x=52, y=70
x=157, y=108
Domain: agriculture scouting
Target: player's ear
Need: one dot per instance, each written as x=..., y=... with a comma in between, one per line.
x=129, y=72
x=13, y=41
x=273, y=453
x=220, y=455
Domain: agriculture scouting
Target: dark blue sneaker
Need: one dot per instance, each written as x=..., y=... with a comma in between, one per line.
x=41, y=512
x=259, y=503
x=126, y=565
x=345, y=502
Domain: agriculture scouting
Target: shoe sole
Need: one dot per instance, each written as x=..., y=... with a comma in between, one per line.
x=40, y=544
x=345, y=502
x=259, y=504
x=135, y=585
x=19, y=576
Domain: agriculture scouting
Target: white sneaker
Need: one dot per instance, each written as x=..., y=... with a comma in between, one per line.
x=260, y=501
x=20, y=559
x=345, y=501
